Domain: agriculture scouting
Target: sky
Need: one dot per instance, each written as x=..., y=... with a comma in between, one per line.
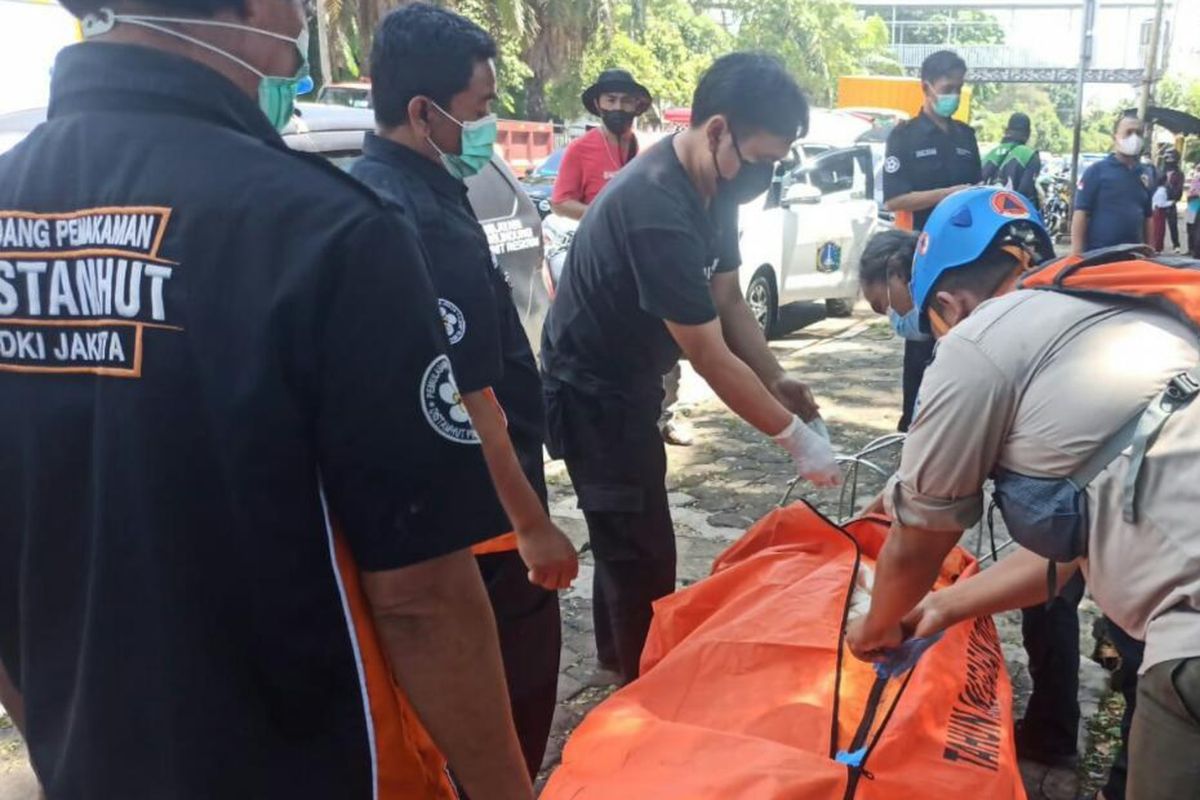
x=31, y=35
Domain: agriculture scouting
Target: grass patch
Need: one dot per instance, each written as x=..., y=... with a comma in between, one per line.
x=1104, y=739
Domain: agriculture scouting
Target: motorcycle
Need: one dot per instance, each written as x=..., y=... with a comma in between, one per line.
x=557, y=234
x=1056, y=204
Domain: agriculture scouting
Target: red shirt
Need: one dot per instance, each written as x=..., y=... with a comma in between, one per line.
x=589, y=164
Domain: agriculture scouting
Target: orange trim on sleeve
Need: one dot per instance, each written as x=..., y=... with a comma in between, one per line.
x=504, y=543
x=408, y=764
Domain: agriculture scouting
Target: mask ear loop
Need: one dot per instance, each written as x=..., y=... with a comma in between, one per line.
x=103, y=24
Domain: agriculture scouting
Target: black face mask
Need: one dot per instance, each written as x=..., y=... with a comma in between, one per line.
x=751, y=180
x=619, y=122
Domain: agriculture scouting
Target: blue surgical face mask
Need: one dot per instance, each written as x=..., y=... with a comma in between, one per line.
x=944, y=105
x=907, y=326
x=276, y=94
x=478, y=141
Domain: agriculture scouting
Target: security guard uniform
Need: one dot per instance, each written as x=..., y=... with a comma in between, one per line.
x=221, y=372
x=489, y=350
x=921, y=156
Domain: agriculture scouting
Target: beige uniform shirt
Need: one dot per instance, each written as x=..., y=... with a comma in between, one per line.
x=1034, y=382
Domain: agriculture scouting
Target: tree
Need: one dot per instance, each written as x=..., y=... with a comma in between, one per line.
x=958, y=26
x=819, y=40
x=561, y=33
x=677, y=44
x=1047, y=131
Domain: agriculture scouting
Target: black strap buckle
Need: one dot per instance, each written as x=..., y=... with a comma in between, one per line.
x=1182, y=387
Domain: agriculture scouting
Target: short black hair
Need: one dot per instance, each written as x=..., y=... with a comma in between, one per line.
x=187, y=8
x=942, y=64
x=982, y=276
x=754, y=92
x=1122, y=117
x=888, y=253
x=420, y=49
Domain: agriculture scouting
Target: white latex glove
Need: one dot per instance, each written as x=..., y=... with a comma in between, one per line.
x=821, y=428
x=812, y=455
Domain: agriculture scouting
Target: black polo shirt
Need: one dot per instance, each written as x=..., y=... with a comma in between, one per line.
x=644, y=253
x=921, y=156
x=488, y=345
x=213, y=353
x=1116, y=199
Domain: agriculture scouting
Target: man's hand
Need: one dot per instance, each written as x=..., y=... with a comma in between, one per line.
x=929, y=618
x=549, y=554
x=795, y=396
x=868, y=644
x=812, y=454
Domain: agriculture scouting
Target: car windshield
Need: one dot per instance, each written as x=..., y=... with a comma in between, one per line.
x=346, y=96
x=549, y=167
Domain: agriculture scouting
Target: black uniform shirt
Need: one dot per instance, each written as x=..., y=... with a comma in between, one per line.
x=209, y=346
x=644, y=253
x=488, y=344
x=921, y=156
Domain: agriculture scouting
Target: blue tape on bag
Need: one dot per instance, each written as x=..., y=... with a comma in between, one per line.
x=854, y=759
x=905, y=657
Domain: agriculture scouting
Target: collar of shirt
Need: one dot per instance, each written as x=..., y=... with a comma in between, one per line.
x=928, y=125
x=96, y=76
x=409, y=160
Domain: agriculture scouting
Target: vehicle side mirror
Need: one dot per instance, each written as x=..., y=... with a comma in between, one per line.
x=801, y=194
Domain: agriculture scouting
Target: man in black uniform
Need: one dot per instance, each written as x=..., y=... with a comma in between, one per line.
x=653, y=271
x=221, y=370
x=433, y=83
x=928, y=158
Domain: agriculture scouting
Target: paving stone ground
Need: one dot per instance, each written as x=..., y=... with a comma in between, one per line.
x=719, y=487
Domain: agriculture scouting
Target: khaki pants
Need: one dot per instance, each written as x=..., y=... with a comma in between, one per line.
x=1164, y=749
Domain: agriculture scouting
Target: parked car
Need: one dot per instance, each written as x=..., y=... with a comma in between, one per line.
x=803, y=239
x=512, y=223
x=538, y=183
x=351, y=95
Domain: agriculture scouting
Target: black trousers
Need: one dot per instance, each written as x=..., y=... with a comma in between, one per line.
x=1173, y=224
x=1051, y=635
x=1131, y=652
x=617, y=463
x=527, y=619
x=1193, y=230
x=917, y=356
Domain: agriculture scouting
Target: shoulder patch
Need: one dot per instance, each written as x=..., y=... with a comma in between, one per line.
x=891, y=165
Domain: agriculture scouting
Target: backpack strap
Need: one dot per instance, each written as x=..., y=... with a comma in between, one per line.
x=1139, y=432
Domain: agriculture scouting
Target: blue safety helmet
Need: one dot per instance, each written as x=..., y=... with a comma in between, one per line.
x=963, y=227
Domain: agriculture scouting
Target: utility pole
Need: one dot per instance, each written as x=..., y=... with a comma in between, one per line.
x=1085, y=59
x=1148, y=77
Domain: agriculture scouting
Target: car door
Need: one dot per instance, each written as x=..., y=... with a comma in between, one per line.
x=826, y=225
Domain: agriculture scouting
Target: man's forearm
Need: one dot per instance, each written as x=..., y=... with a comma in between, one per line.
x=1018, y=581
x=745, y=339
x=919, y=201
x=907, y=567
x=520, y=501
x=11, y=699
x=441, y=641
x=572, y=209
x=1079, y=226
x=742, y=391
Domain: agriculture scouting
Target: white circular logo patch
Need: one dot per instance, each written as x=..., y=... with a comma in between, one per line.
x=891, y=165
x=443, y=405
x=453, y=319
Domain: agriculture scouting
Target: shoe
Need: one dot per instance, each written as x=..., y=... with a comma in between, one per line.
x=1030, y=752
x=676, y=435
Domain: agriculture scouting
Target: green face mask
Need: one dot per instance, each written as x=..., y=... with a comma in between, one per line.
x=944, y=105
x=478, y=139
x=276, y=95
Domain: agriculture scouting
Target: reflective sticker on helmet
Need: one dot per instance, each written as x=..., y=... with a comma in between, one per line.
x=923, y=243
x=1010, y=204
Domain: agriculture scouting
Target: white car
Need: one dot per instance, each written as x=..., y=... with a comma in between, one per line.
x=803, y=239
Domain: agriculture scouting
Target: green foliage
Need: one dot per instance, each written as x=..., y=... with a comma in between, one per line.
x=506, y=23
x=819, y=40
x=957, y=26
x=676, y=45
x=1047, y=131
x=1179, y=93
